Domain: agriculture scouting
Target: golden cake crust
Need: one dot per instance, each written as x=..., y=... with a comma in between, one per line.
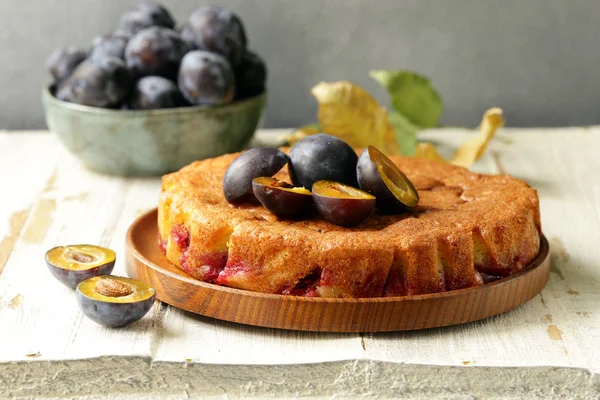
x=467, y=229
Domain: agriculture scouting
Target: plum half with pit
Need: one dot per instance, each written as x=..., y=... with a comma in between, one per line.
x=218, y=30
x=378, y=175
x=342, y=204
x=153, y=92
x=144, y=15
x=75, y=263
x=206, y=78
x=155, y=51
x=322, y=157
x=281, y=198
x=114, y=301
x=250, y=76
x=253, y=163
x=98, y=82
x=62, y=62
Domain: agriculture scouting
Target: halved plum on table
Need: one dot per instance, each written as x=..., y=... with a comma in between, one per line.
x=253, y=163
x=281, y=198
x=379, y=176
x=114, y=301
x=75, y=263
x=342, y=204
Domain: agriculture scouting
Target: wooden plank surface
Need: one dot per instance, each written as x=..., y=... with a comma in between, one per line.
x=48, y=199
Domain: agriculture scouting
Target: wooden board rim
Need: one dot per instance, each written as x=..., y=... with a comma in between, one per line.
x=535, y=276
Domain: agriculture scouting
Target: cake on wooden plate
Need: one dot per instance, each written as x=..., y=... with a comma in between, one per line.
x=467, y=229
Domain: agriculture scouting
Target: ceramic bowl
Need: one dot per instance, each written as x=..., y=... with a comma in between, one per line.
x=151, y=142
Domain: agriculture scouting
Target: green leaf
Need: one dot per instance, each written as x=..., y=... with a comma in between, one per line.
x=412, y=96
x=311, y=127
x=406, y=133
x=290, y=138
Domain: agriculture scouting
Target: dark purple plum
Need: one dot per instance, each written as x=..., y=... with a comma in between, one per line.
x=62, y=62
x=218, y=30
x=120, y=33
x=188, y=36
x=114, y=301
x=253, y=163
x=342, y=204
x=144, y=15
x=206, y=78
x=250, y=76
x=378, y=175
x=281, y=198
x=116, y=33
x=97, y=82
x=155, y=51
x=75, y=263
x=110, y=45
x=153, y=92
x=322, y=157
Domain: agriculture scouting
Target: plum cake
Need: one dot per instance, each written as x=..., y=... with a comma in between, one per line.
x=466, y=229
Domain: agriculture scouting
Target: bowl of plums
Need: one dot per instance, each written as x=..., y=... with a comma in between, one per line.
x=152, y=96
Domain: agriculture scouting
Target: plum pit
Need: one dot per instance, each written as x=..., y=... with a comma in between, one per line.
x=113, y=288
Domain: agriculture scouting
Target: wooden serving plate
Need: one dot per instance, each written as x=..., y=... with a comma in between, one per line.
x=173, y=286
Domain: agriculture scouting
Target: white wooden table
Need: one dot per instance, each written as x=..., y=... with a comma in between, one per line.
x=549, y=347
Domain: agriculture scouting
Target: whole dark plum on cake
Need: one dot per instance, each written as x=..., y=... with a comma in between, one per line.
x=253, y=163
x=322, y=157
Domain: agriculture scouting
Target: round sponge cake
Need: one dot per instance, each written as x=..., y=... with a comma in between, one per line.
x=468, y=229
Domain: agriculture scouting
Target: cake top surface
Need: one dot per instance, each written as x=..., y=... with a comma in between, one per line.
x=452, y=199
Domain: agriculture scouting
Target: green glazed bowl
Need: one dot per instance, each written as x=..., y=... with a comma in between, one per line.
x=151, y=142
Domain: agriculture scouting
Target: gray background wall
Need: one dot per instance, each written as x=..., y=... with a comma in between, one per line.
x=537, y=59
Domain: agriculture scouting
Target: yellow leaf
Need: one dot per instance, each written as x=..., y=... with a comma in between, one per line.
x=427, y=151
x=289, y=139
x=472, y=150
x=308, y=130
x=349, y=112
